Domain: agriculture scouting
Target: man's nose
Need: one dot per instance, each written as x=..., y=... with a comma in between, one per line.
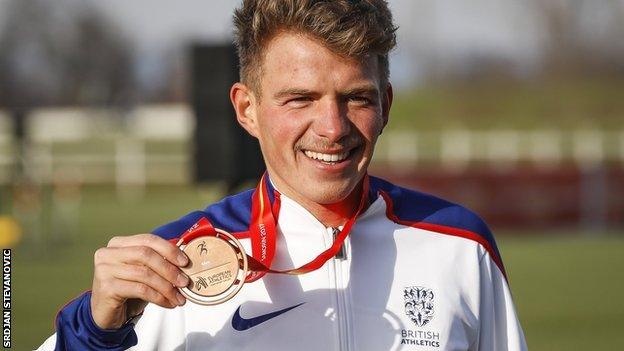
x=332, y=121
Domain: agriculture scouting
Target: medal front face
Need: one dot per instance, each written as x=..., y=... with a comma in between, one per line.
x=216, y=268
x=213, y=265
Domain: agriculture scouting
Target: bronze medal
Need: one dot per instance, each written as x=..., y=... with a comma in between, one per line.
x=217, y=268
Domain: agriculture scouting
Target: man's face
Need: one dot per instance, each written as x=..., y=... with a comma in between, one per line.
x=317, y=119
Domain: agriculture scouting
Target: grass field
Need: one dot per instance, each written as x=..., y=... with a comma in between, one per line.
x=557, y=103
x=568, y=288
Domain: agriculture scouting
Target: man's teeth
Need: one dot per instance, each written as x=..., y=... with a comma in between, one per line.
x=326, y=157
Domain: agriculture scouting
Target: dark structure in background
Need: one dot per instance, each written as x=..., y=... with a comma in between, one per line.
x=223, y=150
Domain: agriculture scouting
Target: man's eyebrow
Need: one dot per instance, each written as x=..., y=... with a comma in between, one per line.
x=291, y=92
x=365, y=89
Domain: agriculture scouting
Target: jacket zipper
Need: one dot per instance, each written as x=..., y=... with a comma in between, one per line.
x=341, y=255
x=341, y=306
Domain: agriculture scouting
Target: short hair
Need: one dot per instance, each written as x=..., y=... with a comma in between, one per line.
x=350, y=28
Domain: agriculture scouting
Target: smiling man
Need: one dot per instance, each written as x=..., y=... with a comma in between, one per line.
x=339, y=260
x=317, y=115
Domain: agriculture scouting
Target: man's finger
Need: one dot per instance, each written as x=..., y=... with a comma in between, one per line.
x=145, y=256
x=130, y=289
x=166, y=249
x=144, y=275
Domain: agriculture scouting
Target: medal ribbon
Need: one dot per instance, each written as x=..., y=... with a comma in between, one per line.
x=263, y=234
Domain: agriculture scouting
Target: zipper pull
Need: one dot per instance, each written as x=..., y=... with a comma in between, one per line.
x=342, y=254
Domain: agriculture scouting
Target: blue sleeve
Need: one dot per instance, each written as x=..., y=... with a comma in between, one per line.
x=76, y=330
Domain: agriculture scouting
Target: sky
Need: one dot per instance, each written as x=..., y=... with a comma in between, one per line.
x=426, y=27
x=431, y=32
x=157, y=23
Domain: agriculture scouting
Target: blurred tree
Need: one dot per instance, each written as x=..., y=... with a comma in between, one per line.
x=584, y=36
x=62, y=55
x=59, y=53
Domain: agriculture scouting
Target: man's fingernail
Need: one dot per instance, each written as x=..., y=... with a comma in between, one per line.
x=182, y=259
x=181, y=299
x=182, y=280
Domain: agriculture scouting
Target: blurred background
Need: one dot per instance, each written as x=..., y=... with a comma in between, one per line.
x=114, y=119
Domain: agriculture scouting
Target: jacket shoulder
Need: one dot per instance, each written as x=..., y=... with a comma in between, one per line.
x=232, y=214
x=420, y=209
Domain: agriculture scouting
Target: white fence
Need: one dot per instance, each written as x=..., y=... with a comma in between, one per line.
x=458, y=148
x=153, y=145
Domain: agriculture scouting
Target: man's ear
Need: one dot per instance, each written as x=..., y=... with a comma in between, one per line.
x=386, y=103
x=244, y=102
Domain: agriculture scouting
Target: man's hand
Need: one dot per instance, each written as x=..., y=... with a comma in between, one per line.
x=132, y=271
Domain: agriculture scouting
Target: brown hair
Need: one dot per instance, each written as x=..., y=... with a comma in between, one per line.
x=351, y=28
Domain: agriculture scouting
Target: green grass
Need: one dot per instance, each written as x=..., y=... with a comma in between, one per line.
x=567, y=289
x=557, y=104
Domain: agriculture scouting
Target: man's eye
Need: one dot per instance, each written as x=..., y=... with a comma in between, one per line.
x=360, y=100
x=302, y=98
x=299, y=101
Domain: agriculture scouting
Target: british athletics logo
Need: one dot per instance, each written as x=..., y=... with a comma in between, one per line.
x=419, y=304
x=420, y=308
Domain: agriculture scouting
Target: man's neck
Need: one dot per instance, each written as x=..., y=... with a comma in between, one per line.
x=336, y=214
x=330, y=215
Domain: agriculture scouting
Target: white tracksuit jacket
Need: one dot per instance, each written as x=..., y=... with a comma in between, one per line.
x=419, y=273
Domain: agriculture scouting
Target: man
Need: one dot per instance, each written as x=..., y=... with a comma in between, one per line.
x=414, y=272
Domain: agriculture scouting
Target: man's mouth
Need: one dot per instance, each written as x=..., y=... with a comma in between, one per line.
x=327, y=158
